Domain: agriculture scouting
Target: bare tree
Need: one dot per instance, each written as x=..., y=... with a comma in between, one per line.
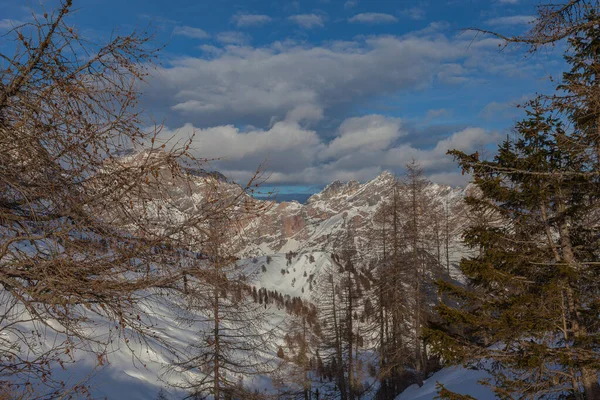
x=233, y=335
x=556, y=21
x=81, y=229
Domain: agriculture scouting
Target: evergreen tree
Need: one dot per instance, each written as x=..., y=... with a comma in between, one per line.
x=581, y=87
x=529, y=315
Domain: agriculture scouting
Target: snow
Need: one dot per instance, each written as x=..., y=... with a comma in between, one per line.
x=132, y=369
x=293, y=281
x=136, y=370
x=456, y=379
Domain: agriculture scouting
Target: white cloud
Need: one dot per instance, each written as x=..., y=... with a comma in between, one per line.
x=362, y=148
x=307, y=113
x=211, y=50
x=468, y=140
x=373, y=18
x=254, y=85
x=368, y=133
x=245, y=20
x=436, y=160
x=308, y=21
x=509, y=1
x=505, y=111
x=191, y=32
x=233, y=37
x=288, y=96
x=416, y=13
x=350, y=3
x=512, y=20
x=230, y=143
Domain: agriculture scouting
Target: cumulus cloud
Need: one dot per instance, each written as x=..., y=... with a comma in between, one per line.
x=253, y=85
x=307, y=113
x=512, y=20
x=308, y=21
x=373, y=18
x=368, y=133
x=281, y=102
x=191, y=32
x=246, y=20
x=361, y=149
x=233, y=144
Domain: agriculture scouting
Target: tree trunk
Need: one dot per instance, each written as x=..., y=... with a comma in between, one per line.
x=589, y=377
x=350, y=334
x=338, y=347
x=217, y=377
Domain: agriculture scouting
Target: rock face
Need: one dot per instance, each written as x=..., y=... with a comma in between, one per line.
x=325, y=220
x=322, y=224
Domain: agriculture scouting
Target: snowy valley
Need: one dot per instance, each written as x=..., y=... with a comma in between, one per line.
x=288, y=251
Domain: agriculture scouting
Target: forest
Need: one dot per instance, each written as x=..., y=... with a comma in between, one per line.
x=104, y=227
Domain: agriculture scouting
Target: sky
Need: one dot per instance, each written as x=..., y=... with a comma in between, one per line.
x=322, y=90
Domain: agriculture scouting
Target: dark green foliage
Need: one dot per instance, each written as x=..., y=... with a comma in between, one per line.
x=531, y=284
x=530, y=312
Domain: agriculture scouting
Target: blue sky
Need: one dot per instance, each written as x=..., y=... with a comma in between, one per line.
x=328, y=89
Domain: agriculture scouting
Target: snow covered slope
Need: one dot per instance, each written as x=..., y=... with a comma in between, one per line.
x=133, y=369
x=293, y=279
x=321, y=223
x=136, y=370
x=455, y=379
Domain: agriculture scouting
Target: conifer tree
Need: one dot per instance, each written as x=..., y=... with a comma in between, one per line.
x=232, y=335
x=581, y=86
x=536, y=275
x=529, y=315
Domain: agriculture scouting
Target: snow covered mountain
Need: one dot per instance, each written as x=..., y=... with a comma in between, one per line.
x=321, y=223
x=310, y=231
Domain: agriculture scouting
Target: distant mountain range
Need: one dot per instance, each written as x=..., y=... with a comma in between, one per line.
x=286, y=197
x=326, y=217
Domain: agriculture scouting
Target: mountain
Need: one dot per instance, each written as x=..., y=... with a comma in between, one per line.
x=322, y=223
x=286, y=248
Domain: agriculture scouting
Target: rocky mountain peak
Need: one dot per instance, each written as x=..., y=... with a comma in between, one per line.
x=316, y=225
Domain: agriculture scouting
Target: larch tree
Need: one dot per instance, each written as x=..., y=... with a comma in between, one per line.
x=422, y=262
x=303, y=332
x=233, y=336
x=92, y=222
x=327, y=298
x=391, y=293
x=74, y=238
